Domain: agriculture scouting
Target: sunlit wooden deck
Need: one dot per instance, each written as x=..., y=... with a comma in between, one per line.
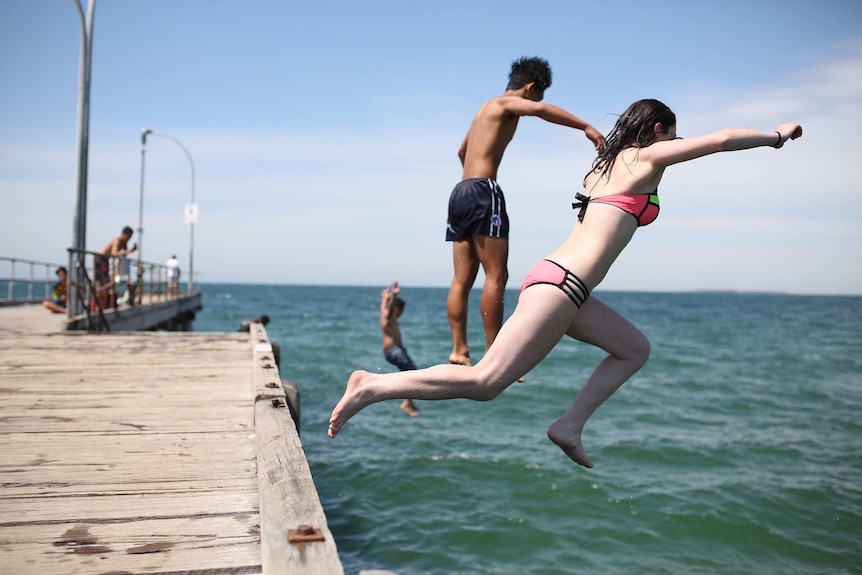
x=149, y=452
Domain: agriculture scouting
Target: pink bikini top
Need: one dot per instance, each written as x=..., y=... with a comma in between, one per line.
x=644, y=207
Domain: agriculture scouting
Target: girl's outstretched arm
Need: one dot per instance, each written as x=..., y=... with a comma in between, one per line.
x=669, y=152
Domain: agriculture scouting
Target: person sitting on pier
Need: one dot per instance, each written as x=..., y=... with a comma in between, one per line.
x=57, y=302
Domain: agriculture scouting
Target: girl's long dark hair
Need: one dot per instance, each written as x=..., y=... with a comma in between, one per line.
x=633, y=129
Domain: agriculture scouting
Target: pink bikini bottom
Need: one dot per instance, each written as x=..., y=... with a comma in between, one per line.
x=552, y=273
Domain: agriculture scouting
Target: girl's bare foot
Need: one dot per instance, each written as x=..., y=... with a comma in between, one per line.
x=460, y=359
x=350, y=404
x=570, y=442
x=410, y=408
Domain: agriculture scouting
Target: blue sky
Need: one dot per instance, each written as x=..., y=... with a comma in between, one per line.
x=324, y=134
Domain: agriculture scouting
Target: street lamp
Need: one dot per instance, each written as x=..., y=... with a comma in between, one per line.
x=191, y=212
x=141, y=200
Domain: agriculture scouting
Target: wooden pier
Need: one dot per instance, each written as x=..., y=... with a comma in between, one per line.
x=150, y=452
x=173, y=314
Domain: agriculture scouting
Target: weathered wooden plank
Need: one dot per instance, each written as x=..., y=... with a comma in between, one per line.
x=109, y=489
x=57, y=425
x=288, y=499
x=220, y=544
x=132, y=453
x=135, y=503
x=265, y=377
x=36, y=404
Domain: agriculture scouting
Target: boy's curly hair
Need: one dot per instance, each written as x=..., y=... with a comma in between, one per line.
x=526, y=70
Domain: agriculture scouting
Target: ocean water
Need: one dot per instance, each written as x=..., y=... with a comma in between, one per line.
x=736, y=449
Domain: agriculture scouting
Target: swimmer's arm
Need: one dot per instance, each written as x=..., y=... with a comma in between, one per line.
x=671, y=152
x=387, y=300
x=385, y=308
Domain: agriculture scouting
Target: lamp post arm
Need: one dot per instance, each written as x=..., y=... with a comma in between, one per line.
x=188, y=155
x=191, y=225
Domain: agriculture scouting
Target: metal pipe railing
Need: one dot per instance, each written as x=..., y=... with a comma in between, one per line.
x=114, y=281
x=20, y=278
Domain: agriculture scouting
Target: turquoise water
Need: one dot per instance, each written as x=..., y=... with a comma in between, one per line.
x=736, y=449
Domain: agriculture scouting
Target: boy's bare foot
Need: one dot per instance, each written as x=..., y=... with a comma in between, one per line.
x=460, y=359
x=350, y=403
x=410, y=408
x=569, y=442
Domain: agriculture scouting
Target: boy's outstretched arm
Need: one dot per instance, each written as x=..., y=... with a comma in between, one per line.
x=555, y=115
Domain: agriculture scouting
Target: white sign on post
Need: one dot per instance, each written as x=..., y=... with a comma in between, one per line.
x=191, y=213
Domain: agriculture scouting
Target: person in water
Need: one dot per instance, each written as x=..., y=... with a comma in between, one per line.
x=391, y=309
x=621, y=195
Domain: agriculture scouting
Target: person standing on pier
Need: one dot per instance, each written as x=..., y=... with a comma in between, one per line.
x=173, y=273
x=391, y=308
x=478, y=224
x=116, y=248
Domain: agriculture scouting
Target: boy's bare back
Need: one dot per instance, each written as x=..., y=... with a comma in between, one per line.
x=491, y=131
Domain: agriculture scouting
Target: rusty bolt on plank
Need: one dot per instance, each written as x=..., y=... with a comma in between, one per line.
x=304, y=534
x=278, y=402
x=266, y=358
x=271, y=384
x=267, y=366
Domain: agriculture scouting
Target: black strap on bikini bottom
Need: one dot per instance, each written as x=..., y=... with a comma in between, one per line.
x=572, y=286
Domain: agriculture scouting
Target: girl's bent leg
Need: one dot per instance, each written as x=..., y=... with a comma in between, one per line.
x=365, y=388
x=628, y=350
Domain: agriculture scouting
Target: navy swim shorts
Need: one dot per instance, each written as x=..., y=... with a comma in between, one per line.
x=477, y=207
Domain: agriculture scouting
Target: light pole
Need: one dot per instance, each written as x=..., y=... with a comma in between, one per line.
x=192, y=208
x=75, y=277
x=141, y=200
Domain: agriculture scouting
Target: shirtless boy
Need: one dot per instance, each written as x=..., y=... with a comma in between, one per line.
x=478, y=225
x=117, y=247
x=391, y=308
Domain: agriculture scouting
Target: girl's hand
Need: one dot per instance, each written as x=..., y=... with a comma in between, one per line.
x=788, y=131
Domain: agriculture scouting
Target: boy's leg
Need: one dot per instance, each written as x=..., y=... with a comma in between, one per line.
x=466, y=264
x=493, y=253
